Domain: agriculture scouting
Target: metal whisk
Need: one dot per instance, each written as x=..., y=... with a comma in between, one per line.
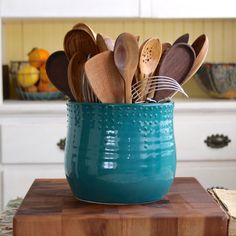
x=153, y=84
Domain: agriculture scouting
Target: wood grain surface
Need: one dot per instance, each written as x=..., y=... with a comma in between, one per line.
x=49, y=209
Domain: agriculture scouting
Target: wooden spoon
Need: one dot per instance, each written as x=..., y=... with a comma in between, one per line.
x=86, y=28
x=149, y=58
x=182, y=39
x=101, y=44
x=56, y=68
x=104, y=78
x=126, y=56
x=109, y=42
x=176, y=63
x=200, y=46
x=165, y=46
x=77, y=40
x=75, y=73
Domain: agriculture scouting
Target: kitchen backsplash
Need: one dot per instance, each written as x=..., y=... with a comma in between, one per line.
x=20, y=36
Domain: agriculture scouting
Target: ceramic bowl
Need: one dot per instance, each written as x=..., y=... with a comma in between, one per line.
x=218, y=79
x=120, y=153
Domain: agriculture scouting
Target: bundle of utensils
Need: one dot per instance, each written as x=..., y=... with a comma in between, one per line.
x=95, y=68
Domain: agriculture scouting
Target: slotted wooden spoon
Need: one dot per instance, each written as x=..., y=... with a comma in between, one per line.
x=104, y=78
x=149, y=58
x=176, y=63
x=56, y=68
x=126, y=56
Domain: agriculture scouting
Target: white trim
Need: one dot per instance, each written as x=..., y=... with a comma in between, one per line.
x=12, y=107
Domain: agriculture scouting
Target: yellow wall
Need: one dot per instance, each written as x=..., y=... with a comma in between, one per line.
x=21, y=36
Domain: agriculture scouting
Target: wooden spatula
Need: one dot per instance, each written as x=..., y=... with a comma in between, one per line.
x=176, y=63
x=104, y=78
x=56, y=68
x=182, y=39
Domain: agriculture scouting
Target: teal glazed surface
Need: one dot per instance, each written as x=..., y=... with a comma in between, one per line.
x=120, y=153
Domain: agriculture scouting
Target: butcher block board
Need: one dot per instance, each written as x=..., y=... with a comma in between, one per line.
x=49, y=209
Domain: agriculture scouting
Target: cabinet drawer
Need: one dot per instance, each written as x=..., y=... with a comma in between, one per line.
x=32, y=143
x=191, y=131
x=18, y=179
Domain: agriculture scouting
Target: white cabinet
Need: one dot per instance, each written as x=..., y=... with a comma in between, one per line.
x=70, y=8
x=1, y=188
x=209, y=173
x=169, y=9
x=30, y=131
x=117, y=8
x=36, y=143
x=193, y=128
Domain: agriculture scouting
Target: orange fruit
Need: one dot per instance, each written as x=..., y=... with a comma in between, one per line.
x=46, y=87
x=37, y=57
x=43, y=74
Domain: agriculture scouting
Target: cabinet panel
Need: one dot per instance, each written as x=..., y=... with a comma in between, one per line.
x=32, y=143
x=209, y=173
x=70, y=8
x=18, y=179
x=191, y=131
x=192, y=9
x=1, y=190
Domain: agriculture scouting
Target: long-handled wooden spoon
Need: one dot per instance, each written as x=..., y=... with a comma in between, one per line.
x=126, y=56
x=200, y=46
x=176, y=63
x=86, y=28
x=56, y=68
x=109, y=42
x=101, y=44
x=77, y=40
x=75, y=73
x=149, y=58
x=165, y=46
x=104, y=78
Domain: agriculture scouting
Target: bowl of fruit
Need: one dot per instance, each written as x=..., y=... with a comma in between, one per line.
x=32, y=82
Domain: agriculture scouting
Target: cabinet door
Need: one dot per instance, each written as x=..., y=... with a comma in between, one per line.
x=32, y=143
x=192, y=9
x=209, y=173
x=70, y=8
x=1, y=190
x=18, y=179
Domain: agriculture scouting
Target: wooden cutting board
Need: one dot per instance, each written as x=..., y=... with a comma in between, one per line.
x=49, y=209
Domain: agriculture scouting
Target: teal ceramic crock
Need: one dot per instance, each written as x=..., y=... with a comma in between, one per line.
x=120, y=153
